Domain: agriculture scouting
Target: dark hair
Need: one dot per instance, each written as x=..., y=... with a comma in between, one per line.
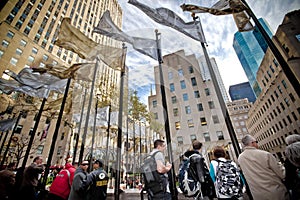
x=197, y=145
x=99, y=162
x=37, y=158
x=158, y=142
x=219, y=152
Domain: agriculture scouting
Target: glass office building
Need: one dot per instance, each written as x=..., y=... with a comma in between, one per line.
x=242, y=91
x=250, y=48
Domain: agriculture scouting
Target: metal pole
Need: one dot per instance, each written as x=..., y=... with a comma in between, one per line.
x=55, y=134
x=88, y=113
x=284, y=65
x=127, y=140
x=79, y=128
x=119, y=140
x=107, y=139
x=36, y=124
x=10, y=139
x=93, y=137
x=3, y=142
x=220, y=97
x=166, y=118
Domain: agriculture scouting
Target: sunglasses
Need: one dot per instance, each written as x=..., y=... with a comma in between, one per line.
x=84, y=164
x=255, y=142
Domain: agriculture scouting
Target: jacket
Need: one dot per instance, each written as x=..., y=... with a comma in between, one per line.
x=98, y=181
x=79, y=186
x=263, y=173
x=62, y=183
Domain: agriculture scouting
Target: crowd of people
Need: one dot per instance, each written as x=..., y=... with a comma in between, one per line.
x=257, y=175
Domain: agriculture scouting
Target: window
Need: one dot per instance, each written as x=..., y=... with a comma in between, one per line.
x=39, y=149
x=200, y=107
x=23, y=43
x=59, y=149
x=170, y=75
x=182, y=84
x=154, y=103
x=180, y=72
x=185, y=97
x=155, y=115
x=10, y=34
x=279, y=89
x=191, y=69
x=194, y=82
x=13, y=61
x=197, y=94
x=175, y=112
x=18, y=129
x=220, y=135
x=193, y=137
x=180, y=140
x=203, y=121
x=177, y=125
x=30, y=59
x=5, y=43
x=190, y=123
x=34, y=50
x=298, y=37
x=1, y=53
x=172, y=88
x=215, y=119
x=187, y=110
x=207, y=92
x=19, y=51
x=45, y=57
x=211, y=105
x=284, y=84
x=62, y=137
x=206, y=137
x=174, y=99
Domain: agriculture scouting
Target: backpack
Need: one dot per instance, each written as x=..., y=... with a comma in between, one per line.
x=153, y=180
x=191, y=175
x=228, y=179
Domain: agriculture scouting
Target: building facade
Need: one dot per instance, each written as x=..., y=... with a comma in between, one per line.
x=29, y=29
x=193, y=107
x=241, y=91
x=276, y=112
x=250, y=47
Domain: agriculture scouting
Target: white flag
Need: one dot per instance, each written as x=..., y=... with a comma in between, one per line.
x=74, y=40
x=167, y=17
x=107, y=27
x=7, y=124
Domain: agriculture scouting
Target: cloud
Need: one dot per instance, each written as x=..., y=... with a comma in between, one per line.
x=218, y=30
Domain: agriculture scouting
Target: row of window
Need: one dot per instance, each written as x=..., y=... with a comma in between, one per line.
x=206, y=137
x=203, y=122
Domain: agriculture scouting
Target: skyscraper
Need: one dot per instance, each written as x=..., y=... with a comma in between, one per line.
x=250, y=48
x=241, y=91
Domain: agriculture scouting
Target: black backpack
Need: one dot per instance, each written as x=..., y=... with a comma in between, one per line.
x=153, y=180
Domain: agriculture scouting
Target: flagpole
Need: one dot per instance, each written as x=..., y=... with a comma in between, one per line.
x=166, y=118
x=107, y=139
x=10, y=139
x=36, y=124
x=94, y=132
x=79, y=127
x=224, y=110
x=55, y=134
x=284, y=65
x=88, y=113
x=4, y=139
x=119, y=140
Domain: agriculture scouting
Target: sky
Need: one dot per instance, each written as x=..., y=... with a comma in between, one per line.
x=218, y=30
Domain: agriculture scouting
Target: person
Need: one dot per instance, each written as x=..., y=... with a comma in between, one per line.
x=61, y=186
x=162, y=168
x=97, y=181
x=219, y=155
x=79, y=185
x=30, y=180
x=292, y=167
x=207, y=187
x=262, y=171
x=7, y=181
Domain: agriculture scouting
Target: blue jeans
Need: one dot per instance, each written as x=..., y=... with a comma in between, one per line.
x=162, y=196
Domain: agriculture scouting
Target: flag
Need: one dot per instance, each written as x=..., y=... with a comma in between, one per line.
x=36, y=80
x=9, y=86
x=45, y=132
x=7, y=124
x=103, y=113
x=167, y=17
x=107, y=27
x=225, y=7
x=55, y=105
x=72, y=39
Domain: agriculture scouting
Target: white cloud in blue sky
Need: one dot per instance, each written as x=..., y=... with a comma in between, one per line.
x=218, y=30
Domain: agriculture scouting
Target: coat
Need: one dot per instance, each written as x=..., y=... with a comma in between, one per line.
x=79, y=186
x=263, y=174
x=61, y=185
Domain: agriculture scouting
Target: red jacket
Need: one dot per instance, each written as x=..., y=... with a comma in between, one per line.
x=62, y=183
